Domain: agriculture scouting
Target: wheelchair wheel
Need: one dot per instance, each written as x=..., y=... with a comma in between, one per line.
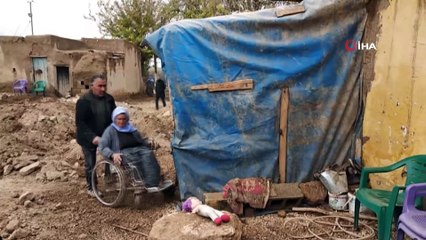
x=109, y=183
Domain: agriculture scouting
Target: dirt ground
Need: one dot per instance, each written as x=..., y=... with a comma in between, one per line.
x=42, y=129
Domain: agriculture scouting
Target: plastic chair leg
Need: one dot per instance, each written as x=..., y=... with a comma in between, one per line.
x=356, y=214
x=384, y=225
x=380, y=230
x=387, y=231
x=400, y=235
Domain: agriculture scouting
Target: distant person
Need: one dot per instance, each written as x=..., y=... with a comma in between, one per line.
x=160, y=88
x=123, y=144
x=150, y=86
x=93, y=115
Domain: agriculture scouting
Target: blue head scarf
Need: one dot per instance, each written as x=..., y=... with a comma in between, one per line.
x=128, y=127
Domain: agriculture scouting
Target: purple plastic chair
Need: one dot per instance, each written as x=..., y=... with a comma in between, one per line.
x=20, y=86
x=412, y=221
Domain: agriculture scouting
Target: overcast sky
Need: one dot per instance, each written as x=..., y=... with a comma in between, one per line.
x=64, y=18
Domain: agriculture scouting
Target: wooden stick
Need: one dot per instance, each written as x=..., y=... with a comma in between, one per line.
x=243, y=84
x=289, y=10
x=130, y=230
x=325, y=212
x=307, y=209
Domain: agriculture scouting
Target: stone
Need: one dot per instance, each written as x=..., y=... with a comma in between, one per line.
x=24, y=158
x=7, y=169
x=64, y=163
x=36, y=226
x=40, y=176
x=282, y=213
x=12, y=225
x=3, y=224
x=26, y=196
x=46, y=235
x=30, y=168
x=33, y=212
x=4, y=235
x=82, y=236
x=39, y=201
x=19, y=234
x=58, y=206
x=53, y=175
x=41, y=118
x=28, y=204
x=19, y=165
x=188, y=226
x=167, y=114
x=76, y=165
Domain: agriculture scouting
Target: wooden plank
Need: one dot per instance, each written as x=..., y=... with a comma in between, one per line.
x=244, y=84
x=278, y=191
x=282, y=155
x=213, y=197
x=289, y=10
x=286, y=191
x=200, y=87
x=232, y=86
x=272, y=192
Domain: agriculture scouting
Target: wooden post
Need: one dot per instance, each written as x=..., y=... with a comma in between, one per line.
x=283, y=134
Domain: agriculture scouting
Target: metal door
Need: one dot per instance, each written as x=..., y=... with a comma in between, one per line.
x=62, y=76
x=40, y=68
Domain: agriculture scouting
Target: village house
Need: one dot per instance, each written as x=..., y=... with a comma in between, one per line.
x=67, y=64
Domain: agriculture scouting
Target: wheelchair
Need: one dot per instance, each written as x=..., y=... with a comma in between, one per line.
x=111, y=183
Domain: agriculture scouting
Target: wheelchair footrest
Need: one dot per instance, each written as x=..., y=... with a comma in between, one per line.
x=164, y=185
x=153, y=189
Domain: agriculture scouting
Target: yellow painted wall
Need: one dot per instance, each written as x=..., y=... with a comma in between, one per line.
x=395, y=116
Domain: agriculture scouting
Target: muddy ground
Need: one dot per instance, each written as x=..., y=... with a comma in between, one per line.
x=41, y=129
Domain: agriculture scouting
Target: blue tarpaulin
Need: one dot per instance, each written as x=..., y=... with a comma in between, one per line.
x=223, y=135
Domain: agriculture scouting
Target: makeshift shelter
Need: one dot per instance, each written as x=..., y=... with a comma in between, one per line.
x=220, y=135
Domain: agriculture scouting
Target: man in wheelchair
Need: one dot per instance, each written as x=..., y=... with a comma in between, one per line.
x=122, y=143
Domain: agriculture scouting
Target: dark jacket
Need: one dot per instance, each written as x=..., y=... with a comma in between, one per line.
x=160, y=87
x=92, y=116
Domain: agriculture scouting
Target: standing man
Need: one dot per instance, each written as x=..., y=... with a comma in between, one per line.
x=160, y=88
x=150, y=83
x=92, y=116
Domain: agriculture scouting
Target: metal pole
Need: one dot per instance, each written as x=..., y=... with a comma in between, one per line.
x=31, y=17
